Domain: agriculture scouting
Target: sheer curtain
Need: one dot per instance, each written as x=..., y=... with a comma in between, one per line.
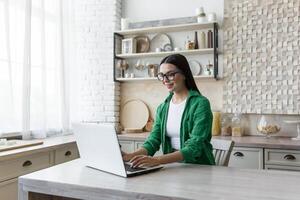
x=34, y=82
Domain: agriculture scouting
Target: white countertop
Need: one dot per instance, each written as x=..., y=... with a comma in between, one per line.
x=49, y=143
x=244, y=141
x=176, y=181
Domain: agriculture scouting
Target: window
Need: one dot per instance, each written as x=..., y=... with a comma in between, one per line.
x=33, y=87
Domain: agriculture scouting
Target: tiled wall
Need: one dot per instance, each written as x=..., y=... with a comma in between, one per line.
x=261, y=56
x=95, y=21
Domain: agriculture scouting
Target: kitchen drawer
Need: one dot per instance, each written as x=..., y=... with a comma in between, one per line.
x=282, y=157
x=9, y=190
x=282, y=168
x=127, y=146
x=15, y=167
x=249, y=158
x=66, y=153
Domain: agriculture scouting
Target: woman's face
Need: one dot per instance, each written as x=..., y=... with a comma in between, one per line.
x=173, y=79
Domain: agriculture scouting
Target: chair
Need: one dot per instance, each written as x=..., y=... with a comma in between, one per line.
x=222, y=150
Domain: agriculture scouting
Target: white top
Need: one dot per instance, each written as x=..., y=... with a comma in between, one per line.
x=174, y=122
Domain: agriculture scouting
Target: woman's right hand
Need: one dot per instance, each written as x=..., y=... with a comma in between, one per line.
x=127, y=156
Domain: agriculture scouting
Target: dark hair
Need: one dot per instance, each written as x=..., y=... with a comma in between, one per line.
x=182, y=64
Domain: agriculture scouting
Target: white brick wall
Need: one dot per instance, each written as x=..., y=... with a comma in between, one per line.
x=95, y=21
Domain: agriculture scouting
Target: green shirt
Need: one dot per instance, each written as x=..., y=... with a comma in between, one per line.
x=195, y=130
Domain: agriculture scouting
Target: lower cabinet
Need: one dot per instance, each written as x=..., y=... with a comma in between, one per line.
x=129, y=146
x=9, y=189
x=249, y=158
x=12, y=168
x=66, y=153
x=244, y=157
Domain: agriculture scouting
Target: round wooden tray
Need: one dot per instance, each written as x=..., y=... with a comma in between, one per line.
x=134, y=114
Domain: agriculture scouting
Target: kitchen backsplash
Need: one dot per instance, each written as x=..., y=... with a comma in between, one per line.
x=261, y=56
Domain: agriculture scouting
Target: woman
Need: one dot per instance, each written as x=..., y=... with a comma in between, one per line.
x=183, y=121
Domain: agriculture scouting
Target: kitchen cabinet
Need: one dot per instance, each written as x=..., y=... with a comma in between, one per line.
x=132, y=145
x=282, y=159
x=15, y=167
x=27, y=162
x=66, y=153
x=250, y=158
x=247, y=157
x=127, y=146
x=9, y=189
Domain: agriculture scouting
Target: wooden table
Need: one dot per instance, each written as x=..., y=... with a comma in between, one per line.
x=176, y=181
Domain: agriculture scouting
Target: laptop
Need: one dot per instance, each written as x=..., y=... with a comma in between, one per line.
x=99, y=148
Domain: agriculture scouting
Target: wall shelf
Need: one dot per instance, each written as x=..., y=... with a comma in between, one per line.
x=163, y=29
x=161, y=54
x=138, y=79
x=119, y=35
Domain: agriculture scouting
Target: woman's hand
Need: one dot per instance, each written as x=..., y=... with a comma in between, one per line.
x=127, y=156
x=144, y=161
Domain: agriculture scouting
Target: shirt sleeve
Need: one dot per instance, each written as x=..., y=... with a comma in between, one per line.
x=200, y=135
x=153, y=142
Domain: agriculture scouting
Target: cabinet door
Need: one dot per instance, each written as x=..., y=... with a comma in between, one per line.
x=66, y=153
x=9, y=190
x=250, y=158
x=127, y=146
x=140, y=144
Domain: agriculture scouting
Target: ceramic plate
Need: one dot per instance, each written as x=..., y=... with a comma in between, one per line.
x=196, y=67
x=134, y=114
x=142, y=44
x=162, y=41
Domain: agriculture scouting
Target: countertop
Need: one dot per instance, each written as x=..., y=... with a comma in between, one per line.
x=49, y=143
x=175, y=181
x=245, y=141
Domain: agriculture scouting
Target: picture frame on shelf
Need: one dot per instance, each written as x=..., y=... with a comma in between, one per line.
x=129, y=46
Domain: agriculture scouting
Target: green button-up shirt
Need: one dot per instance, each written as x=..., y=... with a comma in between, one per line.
x=195, y=130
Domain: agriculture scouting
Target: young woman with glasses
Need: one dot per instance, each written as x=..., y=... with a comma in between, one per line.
x=183, y=121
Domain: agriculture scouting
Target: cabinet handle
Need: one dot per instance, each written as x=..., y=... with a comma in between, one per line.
x=27, y=163
x=68, y=153
x=238, y=154
x=289, y=157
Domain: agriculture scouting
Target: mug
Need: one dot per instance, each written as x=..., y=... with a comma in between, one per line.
x=211, y=17
x=124, y=23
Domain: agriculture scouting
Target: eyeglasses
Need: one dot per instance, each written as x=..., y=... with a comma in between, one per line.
x=169, y=75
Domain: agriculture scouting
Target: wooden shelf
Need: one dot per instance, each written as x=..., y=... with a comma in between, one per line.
x=160, y=54
x=137, y=79
x=163, y=29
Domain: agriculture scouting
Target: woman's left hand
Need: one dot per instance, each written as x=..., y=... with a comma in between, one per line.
x=144, y=161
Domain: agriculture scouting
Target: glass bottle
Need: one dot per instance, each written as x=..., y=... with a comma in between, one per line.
x=196, y=40
x=226, y=129
x=237, y=129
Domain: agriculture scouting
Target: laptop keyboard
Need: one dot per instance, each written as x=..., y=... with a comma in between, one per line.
x=130, y=169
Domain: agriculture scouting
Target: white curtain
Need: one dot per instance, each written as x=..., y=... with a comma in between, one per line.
x=34, y=65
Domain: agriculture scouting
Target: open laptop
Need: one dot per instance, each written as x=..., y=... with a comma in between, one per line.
x=99, y=148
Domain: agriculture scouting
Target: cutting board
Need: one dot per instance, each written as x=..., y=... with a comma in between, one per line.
x=134, y=115
x=19, y=144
